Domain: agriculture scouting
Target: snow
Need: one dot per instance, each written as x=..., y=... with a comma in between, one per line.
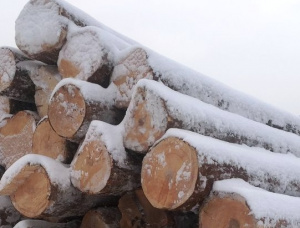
x=8, y=211
x=192, y=114
x=267, y=207
x=7, y=68
x=260, y=165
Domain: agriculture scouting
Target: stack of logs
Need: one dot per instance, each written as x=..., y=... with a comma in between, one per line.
x=99, y=131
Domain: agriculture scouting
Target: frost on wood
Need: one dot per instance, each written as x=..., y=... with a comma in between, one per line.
x=8, y=214
x=154, y=108
x=178, y=171
x=101, y=164
x=237, y=202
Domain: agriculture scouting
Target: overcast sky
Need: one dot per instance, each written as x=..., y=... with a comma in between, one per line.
x=250, y=45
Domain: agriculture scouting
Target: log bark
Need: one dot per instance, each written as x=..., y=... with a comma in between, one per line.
x=10, y=106
x=155, y=108
x=139, y=62
x=86, y=57
x=108, y=217
x=16, y=137
x=178, y=172
x=46, y=142
x=138, y=212
x=8, y=214
x=48, y=22
x=40, y=187
x=75, y=103
x=243, y=205
x=40, y=223
x=15, y=81
x=101, y=164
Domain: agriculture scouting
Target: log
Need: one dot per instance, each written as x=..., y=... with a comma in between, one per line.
x=178, y=172
x=44, y=224
x=16, y=137
x=155, y=108
x=101, y=164
x=8, y=214
x=40, y=187
x=14, y=79
x=106, y=217
x=48, y=22
x=235, y=203
x=46, y=142
x=75, y=103
x=139, y=62
x=138, y=212
x=10, y=106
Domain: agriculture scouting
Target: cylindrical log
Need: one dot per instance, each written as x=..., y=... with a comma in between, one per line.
x=44, y=224
x=14, y=79
x=178, y=172
x=138, y=212
x=40, y=187
x=101, y=164
x=184, y=80
x=43, y=25
x=155, y=108
x=75, y=103
x=105, y=217
x=235, y=203
x=48, y=143
x=8, y=214
x=16, y=137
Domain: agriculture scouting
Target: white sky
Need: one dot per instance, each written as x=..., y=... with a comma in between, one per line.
x=251, y=45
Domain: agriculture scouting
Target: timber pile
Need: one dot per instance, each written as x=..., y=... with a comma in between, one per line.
x=99, y=131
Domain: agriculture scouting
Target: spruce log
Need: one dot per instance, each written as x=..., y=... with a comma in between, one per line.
x=15, y=81
x=48, y=143
x=48, y=22
x=235, y=203
x=184, y=80
x=105, y=217
x=8, y=214
x=138, y=212
x=75, y=103
x=16, y=137
x=101, y=164
x=40, y=187
x=179, y=170
x=44, y=224
x=155, y=108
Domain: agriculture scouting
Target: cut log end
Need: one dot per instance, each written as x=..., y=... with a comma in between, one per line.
x=169, y=173
x=229, y=212
x=33, y=186
x=108, y=217
x=66, y=110
x=67, y=69
x=7, y=68
x=91, y=169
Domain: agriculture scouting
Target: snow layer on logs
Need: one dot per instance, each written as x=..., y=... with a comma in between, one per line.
x=284, y=168
x=263, y=204
x=8, y=211
x=195, y=115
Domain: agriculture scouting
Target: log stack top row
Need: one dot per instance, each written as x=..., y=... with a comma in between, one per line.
x=97, y=130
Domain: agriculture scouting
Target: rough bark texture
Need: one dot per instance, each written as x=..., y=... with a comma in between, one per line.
x=47, y=142
x=138, y=212
x=71, y=111
x=16, y=137
x=108, y=217
x=176, y=176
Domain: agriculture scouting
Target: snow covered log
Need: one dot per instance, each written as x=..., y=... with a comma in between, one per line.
x=43, y=25
x=8, y=214
x=101, y=164
x=44, y=224
x=40, y=187
x=10, y=106
x=179, y=170
x=138, y=212
x=15, y=81
x=75, y=103
x=103, y=217
x=48, y=143
x=235, y=203
x=154, y=108
x=16, y=136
